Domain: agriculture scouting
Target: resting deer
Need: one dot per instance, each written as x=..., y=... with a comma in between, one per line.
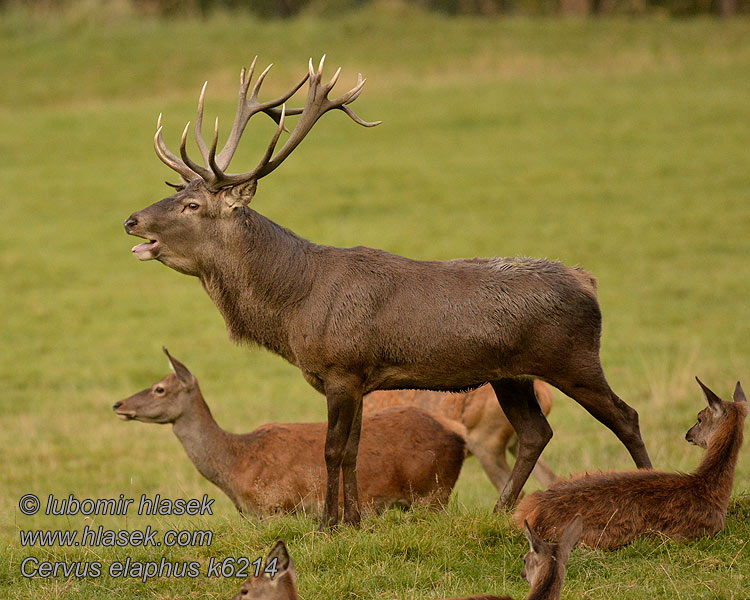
x=356, y=320
x=544, y=569
x=407, y=456
x=619, y=507
x=489, y=434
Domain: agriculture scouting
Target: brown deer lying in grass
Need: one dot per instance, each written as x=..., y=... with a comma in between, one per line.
x=407, y=456
x=544, y=564
x=618, y=507
x=356, y=320
x=544, y=570
x=489, y=434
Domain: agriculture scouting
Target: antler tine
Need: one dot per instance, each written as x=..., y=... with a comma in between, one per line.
x=227, y=179
x=194, y=166
x=316, y=106
x=199, y=125
x=248, y=107
x=167, y=157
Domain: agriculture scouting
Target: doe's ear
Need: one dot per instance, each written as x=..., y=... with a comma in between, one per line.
x=284, y=562
x=570, y=537
x=714, y=402
x=184, y=376
x=739, y=395
x=535, y=542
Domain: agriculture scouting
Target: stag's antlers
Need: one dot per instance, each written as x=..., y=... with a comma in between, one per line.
x=213, y=173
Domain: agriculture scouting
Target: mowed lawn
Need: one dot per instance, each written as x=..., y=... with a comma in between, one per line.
x=620, y=146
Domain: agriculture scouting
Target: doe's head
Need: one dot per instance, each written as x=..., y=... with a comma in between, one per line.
x=277, y=581
x=543, y=557
x=711, y=417
x=165, y=401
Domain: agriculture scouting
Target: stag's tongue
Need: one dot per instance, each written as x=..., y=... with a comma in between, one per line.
x=146, y=250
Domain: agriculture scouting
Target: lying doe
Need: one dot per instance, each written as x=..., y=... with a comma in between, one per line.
x=544, y=564
x=544, y=570
x=618, y=507
x=356, y=320
x=277, y=583
x=407, y=457
x=489, y=434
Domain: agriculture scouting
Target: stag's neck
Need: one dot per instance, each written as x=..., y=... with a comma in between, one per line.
x=548, y=584
x=259, y=280
x=718, y=465
x=207, y=445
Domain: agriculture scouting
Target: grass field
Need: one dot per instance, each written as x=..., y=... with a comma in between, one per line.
x=621, y=146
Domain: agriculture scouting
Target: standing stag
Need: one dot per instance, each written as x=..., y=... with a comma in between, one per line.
x=355, y=320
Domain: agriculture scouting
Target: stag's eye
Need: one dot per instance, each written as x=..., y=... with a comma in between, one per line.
x=193, y=206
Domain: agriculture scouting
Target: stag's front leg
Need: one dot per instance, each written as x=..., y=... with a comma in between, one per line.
x=343, y=398
x=349, y=470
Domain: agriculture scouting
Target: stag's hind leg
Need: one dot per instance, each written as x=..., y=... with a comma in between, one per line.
x=590, y=389
x=519, y=403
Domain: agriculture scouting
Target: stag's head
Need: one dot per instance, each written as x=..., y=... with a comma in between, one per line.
x=182, y=230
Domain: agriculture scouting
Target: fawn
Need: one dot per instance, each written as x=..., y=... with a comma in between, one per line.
x=280, y=586
x=407, y=457
x=489, y=434
x=544, y=570
x=618, y=507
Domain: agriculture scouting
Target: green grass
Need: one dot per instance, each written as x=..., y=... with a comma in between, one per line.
x=617, y=145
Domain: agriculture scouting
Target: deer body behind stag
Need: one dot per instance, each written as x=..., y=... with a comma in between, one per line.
x=355, y=320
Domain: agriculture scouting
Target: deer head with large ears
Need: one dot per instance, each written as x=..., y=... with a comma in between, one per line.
x=711, y=417
x=183, y=229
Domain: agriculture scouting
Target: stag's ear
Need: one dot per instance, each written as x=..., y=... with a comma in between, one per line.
x=283, y=564
x=535, y=542
x=184, y=376
x=239, y=195
x=714, y=402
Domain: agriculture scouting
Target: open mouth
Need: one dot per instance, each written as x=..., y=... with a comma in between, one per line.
x=147, y=250
x=126, y=416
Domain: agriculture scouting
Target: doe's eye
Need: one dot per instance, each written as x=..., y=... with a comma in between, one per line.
x=159, y=390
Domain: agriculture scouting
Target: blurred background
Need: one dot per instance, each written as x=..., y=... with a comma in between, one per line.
x=610, y=135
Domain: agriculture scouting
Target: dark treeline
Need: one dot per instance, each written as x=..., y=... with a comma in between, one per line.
x=289, y=8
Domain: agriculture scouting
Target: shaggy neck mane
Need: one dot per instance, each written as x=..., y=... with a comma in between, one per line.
x=717, y=467
x=258, y=281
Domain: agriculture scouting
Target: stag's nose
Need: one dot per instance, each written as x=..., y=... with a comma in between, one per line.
x=130, y=224
x=116, y=405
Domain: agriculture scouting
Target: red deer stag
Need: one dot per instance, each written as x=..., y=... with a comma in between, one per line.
x=621, y=506
x=355, y=320
x=406, y=456
x=489, y=434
